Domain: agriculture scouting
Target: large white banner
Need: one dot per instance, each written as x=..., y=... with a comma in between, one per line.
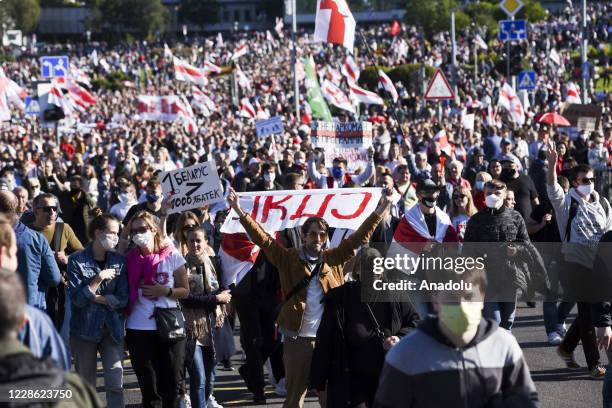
x=349, y=140
x=277, y=210
x=192, y=187
x=158, y=108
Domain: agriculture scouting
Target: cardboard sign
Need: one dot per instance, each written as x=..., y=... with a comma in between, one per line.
x=349, y=140
x=192, y=187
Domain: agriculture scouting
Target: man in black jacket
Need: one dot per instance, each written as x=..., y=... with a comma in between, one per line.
x=497, y=223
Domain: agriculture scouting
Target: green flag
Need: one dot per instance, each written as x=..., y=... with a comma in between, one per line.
x=313, y=92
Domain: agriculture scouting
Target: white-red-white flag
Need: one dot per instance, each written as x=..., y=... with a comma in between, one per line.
x=385, y=82
x=243, y=81
x=509, y=100
x=186, y=115
x=336, y=97
x=210, y=67
x=241, y=50
x=279, y=27
x=261, y=113
x=202, y=100
x=14, y=94
x=56, y=97
x=350, y=69
x=334, y=23
x=184, y=71
x=442, y=138
x=364, y=96
x=246, y=109
x=573, y=93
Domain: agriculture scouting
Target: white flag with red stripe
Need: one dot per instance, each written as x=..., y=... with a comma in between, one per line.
x=13, y=93
x=241, y=50
x=184, y=71
x=350, y=69
x=186, y=115
x=336, y=97
x=279, y=27
x=202, y=101
x=386, y=83
x=56, y=97
x=243, y=81
x=210, y=67
x=261, y=113
x=573, y=93
x=246, y=109
x=442, y=138
x=364, y=96
x=334, y=23
x=509, y=100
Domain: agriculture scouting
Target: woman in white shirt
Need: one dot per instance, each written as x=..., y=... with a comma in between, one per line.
x=156, y=278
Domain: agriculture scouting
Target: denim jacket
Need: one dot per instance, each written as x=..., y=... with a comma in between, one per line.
x=89, y=318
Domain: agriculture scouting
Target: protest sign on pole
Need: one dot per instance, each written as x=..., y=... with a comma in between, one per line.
x=278, y=210
x=349, y=140
x=192, y=187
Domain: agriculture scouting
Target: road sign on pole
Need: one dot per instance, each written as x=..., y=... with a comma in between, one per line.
x=511, y=7
x=31, y=106
x=526, y=81
x=511, y=30
x=439, y=88
x=51, y=67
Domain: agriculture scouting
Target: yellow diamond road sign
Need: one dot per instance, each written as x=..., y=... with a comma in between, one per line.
x=511, y=7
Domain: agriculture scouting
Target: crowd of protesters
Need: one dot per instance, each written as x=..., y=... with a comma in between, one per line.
x=85, y=226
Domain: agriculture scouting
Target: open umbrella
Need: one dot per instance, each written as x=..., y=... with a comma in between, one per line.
x=552, y=118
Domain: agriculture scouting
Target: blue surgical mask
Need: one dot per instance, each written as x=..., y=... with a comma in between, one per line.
x=479, y=185
x=152, y=197
x=337, y=172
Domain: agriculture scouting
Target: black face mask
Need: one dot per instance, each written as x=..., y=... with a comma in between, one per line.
x=428, y=202
x=508, y=174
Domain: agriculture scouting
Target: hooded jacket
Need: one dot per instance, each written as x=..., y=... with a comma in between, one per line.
x=426, y=370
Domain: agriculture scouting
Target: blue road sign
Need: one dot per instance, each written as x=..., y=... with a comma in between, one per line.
x=31, y=106
x=586, y=70
x=526, y=81
x=269, y=126
x=51, y=67
x=510, y=30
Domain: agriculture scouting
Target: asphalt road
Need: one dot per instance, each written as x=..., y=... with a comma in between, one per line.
x=557, y=386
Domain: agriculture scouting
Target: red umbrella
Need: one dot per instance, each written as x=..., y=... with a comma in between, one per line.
x=552, y=118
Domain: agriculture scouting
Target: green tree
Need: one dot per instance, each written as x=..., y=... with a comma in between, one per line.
x=199, y=12
x=532, y=12
x=139, y=17
x=434, y=16
x=21, y=14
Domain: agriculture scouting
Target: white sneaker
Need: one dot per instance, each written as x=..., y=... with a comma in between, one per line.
x=185, y=401
x=280, y=388
x=562, y=329
x=212, y=402
x=554, y=338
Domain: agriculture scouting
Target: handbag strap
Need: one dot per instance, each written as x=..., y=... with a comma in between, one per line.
x=377, y=329
x=302, y=284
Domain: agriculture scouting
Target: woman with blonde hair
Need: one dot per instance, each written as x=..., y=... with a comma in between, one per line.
x=461, y=209
x=186, y=221
x=157, y=278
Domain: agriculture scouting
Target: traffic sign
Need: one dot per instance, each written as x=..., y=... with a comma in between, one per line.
x=510, y=30
x=511, y=7
x=586, y=70
x=51, y=67
x=438, y=88
x=269, y=126
x=31, y=106
x=526, y=81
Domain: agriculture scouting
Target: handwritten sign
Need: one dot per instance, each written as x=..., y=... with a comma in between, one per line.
x=192, y=187
x=348, y=140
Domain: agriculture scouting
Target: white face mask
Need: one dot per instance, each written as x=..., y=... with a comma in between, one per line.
x=270, y=177
x=585, y=190
x=124, y=197
x=144, y=239
x=109, y=241
x=493, y=201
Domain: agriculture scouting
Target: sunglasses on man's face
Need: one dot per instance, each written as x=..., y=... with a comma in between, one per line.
x=49, y=208
x=587, y=180
x=187, y=227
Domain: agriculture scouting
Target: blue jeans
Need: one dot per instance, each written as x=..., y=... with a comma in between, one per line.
x=555, y=313
x=201, y=376
x=502, y=312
